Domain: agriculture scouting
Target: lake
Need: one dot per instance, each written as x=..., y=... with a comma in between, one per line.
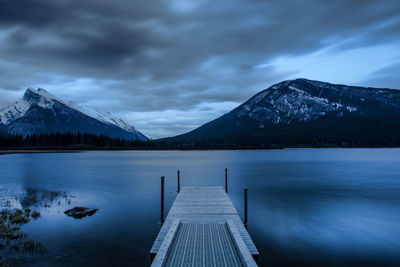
x=332, y=207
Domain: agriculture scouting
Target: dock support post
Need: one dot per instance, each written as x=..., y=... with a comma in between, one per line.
x=245, y=207
x=162, y=199
x=226, y=180
x=179, y=181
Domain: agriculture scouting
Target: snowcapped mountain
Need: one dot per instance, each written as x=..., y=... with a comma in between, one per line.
x=41, y=112
x=304, y=100
x=302, y=111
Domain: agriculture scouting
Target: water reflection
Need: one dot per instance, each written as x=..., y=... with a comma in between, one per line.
x=306, y=207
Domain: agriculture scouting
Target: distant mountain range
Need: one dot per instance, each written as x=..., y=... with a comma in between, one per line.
x=292, y=113
x=41, y=112
x=303, y=112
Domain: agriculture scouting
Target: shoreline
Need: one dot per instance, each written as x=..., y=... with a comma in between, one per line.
x=36, y=151
x=40, y=151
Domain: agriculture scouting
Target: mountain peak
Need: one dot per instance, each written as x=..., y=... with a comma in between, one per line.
x=33, y=96
x=305, y=112
x=302, y=81
x=39, y=111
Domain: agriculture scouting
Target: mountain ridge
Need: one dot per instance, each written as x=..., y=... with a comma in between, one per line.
x=307, y=110
x=38, y=111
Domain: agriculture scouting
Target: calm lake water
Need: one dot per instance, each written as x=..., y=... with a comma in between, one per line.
x=330, y=207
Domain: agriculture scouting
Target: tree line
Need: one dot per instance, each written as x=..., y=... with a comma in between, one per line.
x=262, y=142
x=68, y=140
x=87, y=141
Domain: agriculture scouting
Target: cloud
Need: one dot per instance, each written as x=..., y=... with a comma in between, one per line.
x=150, y=57
x=386, y=77
x=354, y=66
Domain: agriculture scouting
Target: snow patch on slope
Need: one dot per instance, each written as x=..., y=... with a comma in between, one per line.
x=46, y=100
x=107, y=118
x=13, y=112
x=284, y=103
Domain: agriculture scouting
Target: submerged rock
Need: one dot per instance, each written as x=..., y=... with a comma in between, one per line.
x=80, y=212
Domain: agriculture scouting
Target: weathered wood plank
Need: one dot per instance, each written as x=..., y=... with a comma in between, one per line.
x=207, y=205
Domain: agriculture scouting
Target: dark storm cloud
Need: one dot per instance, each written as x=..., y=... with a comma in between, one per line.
x=28, y=12
x=154, y=56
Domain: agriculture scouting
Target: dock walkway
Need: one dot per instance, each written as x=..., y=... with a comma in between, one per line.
x=203, y=229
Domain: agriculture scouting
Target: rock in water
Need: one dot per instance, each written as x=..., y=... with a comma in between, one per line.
x=80, y=212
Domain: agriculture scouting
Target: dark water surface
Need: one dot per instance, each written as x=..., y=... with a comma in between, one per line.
x=330, y=207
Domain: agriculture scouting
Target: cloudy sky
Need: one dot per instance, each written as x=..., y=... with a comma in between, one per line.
x=168, y=66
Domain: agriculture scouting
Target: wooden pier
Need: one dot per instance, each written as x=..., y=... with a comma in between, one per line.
x=203, y=229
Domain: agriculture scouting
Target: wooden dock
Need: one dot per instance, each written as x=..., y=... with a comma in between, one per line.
x=203, y=229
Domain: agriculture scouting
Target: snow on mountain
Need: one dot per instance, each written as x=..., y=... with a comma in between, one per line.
x=108, y=118
x=39, y=97
x=287, y=102
x=307, y=112
x=20, y=118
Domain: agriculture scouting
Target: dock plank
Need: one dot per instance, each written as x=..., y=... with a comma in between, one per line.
x=203, y=205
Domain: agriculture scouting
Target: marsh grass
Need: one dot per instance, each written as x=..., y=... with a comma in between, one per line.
x=16, y=210
x=13, y=241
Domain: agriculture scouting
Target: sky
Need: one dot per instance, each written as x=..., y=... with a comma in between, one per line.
x=169, y=66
